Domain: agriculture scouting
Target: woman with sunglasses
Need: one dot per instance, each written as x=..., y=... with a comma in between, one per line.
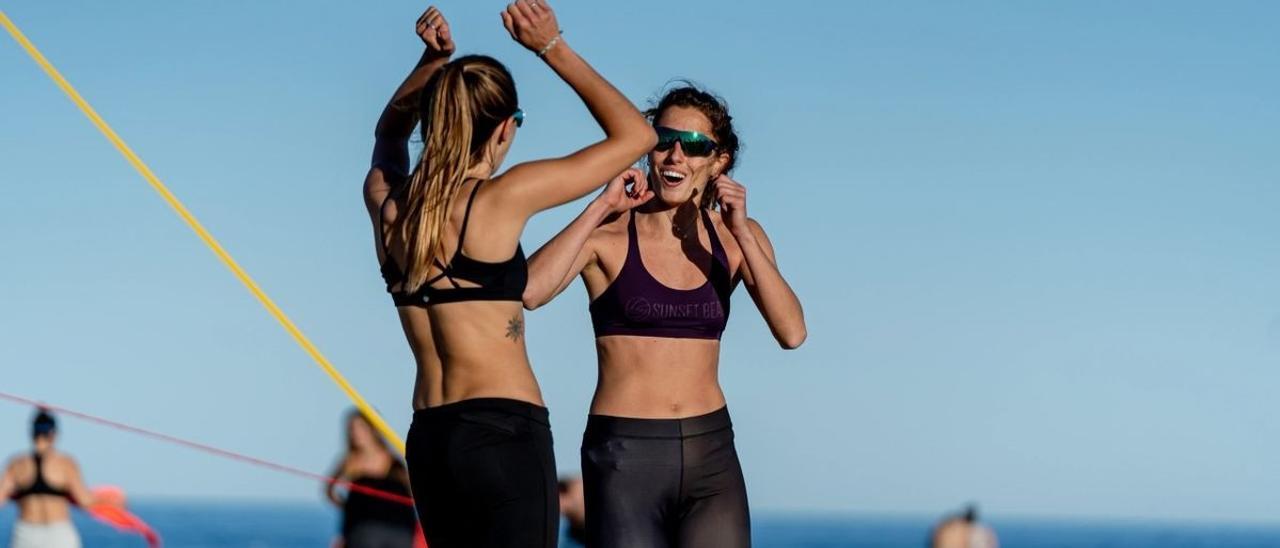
x=658, y=460
x=479, y=450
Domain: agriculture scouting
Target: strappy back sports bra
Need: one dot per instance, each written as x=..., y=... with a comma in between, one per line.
x=40, y=486
x=502, y=281
x=638, y=304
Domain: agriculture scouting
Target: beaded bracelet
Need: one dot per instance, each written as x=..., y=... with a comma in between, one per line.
x=543, y=52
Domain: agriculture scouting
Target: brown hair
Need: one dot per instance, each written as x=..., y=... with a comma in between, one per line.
x=688, y=94
x=460, y=106
x=397, y=466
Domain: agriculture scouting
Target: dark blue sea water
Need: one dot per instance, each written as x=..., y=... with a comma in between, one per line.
x=260, y=525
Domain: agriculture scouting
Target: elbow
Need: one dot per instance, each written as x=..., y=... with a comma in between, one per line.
x=531, y=300
x=643, y=138
x=382, y=131
x=793, y=339
x=648, y=137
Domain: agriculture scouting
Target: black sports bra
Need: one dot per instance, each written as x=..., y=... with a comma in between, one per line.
x=40, y=486
x=502, y=281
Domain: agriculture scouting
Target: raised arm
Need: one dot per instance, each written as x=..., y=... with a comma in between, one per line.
x=773, y=296
x=553, y=267
x=534, y=186
x=395, y=125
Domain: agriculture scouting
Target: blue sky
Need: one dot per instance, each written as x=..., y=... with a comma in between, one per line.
x=1037, y=244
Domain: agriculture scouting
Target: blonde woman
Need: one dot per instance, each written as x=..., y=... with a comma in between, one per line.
x=447, y=237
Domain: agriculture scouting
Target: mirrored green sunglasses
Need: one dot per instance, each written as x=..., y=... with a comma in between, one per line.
x=519, y=116
x=691, y=142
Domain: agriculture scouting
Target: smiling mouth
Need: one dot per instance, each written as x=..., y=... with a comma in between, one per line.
x=671, y=178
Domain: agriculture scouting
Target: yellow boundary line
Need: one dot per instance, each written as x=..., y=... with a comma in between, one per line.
x=205, y=236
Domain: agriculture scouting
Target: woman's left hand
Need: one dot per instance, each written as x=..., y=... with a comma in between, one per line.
x=732, y=197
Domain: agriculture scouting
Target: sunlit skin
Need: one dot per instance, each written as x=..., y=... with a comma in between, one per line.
x=957, y=533
x=475, y=349
x=362, y=435
x=494, y=371
x=652, y=377
x=690, y=174
x=459, y=297
x=60, y=472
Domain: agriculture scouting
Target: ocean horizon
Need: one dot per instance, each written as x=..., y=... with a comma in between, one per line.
x=198, y=523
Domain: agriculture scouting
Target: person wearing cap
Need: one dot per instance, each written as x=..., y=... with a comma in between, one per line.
x=44, y=484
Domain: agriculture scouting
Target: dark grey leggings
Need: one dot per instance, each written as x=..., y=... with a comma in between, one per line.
x=664, y=483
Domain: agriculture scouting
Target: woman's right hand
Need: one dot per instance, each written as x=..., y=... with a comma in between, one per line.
x=434, y=32
x=532, y=23
x=616, y=198
x=531, y=187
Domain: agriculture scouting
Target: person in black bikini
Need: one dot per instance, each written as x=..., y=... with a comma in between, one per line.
x=367, y=520
x=658, y=460
x=44, y=484
x=479, y=449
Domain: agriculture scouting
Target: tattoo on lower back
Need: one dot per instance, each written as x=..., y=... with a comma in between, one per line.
x=515, y=328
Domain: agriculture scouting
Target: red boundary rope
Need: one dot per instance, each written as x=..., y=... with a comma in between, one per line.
x=387, y=495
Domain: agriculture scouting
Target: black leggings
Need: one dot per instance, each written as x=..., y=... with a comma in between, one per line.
x=664, y=482
x=483, y=474
x=378, y=535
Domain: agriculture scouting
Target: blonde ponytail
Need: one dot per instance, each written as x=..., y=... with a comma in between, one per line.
x=460, y=107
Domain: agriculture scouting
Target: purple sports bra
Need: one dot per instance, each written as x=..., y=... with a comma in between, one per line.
x=639, y=305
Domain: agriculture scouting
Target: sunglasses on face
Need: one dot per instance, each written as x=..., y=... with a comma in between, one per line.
x=519, y=116
x=691, y=142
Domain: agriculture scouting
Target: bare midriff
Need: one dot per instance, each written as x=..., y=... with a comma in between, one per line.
x=42, y=509
x=657, y=377
x=467, y=350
